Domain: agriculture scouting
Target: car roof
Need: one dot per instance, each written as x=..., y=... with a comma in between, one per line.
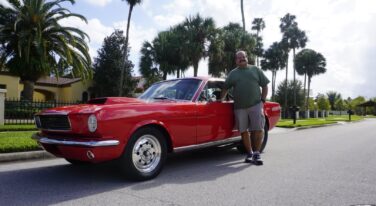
x=203, y=78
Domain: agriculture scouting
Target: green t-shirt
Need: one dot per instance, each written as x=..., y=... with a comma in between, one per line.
x=246, y=83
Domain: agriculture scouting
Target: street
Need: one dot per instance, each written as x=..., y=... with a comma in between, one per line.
x=333, y=165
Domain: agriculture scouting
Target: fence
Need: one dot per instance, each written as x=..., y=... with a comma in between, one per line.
x=22, y=111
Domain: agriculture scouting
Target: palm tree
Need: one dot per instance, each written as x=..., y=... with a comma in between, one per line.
x=293, y=37
x=164, y=55
x=274, y=60
x=258, y=25
x=333, y=97
x=225, y=44
x=242, y=10
x=310, y=62
x=286, y=22
x=33, y=43
x=131, y=4
x=197, y=32
x=148, y=67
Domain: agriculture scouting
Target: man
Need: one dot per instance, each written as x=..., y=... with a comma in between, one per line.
x=246, y=81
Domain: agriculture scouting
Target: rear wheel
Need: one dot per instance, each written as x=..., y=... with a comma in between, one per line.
x=242, y=149
x=144, y=155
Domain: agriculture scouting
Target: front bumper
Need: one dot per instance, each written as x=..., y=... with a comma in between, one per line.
x=101, y=143
x=81, y=149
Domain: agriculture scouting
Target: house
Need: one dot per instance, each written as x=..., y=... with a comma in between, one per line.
x=48, y=88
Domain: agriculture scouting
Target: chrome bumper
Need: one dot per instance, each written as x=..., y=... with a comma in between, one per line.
x=103, y=143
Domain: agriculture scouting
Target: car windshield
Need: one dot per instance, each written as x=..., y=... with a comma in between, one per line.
x=180, y=89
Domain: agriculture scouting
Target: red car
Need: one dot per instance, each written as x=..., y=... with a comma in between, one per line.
x=171, y=116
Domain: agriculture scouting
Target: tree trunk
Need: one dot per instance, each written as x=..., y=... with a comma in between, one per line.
x=178, y=73
x=125, y=57
x=164, y=75
x=293, y=63
x=195, y=69
x=287, y=69
x=274, y=74
x=28, y=90
x=304, y=91
x=309, y=84
x=242, y=9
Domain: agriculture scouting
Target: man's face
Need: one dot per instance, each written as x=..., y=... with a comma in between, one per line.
x=241, y=59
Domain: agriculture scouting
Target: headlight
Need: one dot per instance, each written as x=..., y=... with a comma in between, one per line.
x=92, y=123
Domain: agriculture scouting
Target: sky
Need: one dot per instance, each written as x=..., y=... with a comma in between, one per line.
x=343, y=31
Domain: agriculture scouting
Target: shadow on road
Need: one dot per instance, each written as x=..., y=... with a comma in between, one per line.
x=59, y=183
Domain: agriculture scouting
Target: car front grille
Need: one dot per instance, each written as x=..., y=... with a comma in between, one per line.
x=53, y=122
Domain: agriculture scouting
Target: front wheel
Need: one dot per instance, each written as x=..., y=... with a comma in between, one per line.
x=242, y=149
x=144, y=155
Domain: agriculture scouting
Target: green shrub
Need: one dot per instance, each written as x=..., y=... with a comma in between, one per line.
x=17, y=142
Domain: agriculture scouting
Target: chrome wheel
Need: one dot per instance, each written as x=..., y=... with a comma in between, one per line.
x=146, y=153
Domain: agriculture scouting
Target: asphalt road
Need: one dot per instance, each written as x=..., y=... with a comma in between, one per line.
x=332, y=165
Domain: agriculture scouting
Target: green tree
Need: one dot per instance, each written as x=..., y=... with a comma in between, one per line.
x=322, y=102
x=197, y=33
x=282, y=90
x=356, y=101
x=258, y=25
x=333, y=97
x=148, y=68
x=310, y=63
x=33, y=42
x=292, y=36
x=340, y=105
x=165, y=55
x=312, y=105
x=108, y=65
x=131, y=4
x=224, y=45
x=274, y=60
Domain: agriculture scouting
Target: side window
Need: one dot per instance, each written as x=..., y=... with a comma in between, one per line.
x=204, y=94
x=212, y=91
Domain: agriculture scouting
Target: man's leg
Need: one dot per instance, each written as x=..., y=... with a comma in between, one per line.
x=242, y=121
x=256, y=140
x=247, y=145
x=246, y=141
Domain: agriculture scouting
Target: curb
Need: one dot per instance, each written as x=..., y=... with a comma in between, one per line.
x=18, y=156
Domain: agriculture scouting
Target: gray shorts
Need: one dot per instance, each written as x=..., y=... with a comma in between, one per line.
x=251, y=119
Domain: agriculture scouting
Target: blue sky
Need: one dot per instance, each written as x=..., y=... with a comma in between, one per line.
x=342, y=30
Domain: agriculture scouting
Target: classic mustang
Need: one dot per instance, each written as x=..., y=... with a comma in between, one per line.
x=170, y=116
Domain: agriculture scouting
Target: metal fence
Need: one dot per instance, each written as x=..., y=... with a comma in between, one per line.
x=22, y=111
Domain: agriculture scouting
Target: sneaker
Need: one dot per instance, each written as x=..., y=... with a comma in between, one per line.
x=256, y=159
x=248, y=158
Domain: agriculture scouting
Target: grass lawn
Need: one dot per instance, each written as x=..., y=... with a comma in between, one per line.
x=14, y=127
x=17, y=142
x=288, y=123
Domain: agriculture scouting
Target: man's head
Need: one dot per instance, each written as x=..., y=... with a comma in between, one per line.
x=241, y=59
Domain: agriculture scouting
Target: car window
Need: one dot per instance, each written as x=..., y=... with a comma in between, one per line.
x=181, y=89
x=211, y=91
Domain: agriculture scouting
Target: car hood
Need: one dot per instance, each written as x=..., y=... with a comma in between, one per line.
x=92, y=106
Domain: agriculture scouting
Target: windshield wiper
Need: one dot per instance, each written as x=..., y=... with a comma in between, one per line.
x=162, y=98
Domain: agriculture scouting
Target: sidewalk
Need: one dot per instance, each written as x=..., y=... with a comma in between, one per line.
x=18, y=156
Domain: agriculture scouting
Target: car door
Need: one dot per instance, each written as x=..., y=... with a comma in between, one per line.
x=215, y=119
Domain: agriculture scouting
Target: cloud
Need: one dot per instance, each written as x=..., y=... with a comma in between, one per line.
x=5, y=3
x=343, y=31
x=99, y=2
x=137, y=35
x=95, y=29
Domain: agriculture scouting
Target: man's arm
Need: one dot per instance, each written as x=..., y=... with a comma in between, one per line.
x=223, y=94
x=264, y=93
